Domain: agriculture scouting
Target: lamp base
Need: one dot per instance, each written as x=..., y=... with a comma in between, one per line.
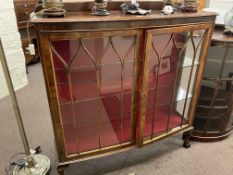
x=99, y=8
x=53, y=12
x=42, y=167
x=100, y=12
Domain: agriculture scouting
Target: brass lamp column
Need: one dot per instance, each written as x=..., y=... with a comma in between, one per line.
x=34, y=164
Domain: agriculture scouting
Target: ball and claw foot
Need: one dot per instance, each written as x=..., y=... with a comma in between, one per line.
x=186, y=138
x=61, y=169
x=186, y=144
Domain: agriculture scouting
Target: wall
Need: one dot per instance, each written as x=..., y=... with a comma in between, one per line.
x=12, y=48
x=221, y=4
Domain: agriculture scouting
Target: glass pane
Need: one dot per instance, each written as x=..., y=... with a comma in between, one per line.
x=86, y=115
x=181, y=108
x=207, y=94
x=220, y=113
x=174, y=60
x=185, y=92
x=94, y=79
x=214, y=62
x=217, y=112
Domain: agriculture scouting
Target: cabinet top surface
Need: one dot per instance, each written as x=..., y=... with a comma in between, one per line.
x=85, y=16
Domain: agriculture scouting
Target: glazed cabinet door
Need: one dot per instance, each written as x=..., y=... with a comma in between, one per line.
x=91, y=82
x=174, y=61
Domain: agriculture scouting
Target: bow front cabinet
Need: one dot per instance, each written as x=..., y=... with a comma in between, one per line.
x=121, y=81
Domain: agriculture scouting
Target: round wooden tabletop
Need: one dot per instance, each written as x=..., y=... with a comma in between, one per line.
x=220, y=39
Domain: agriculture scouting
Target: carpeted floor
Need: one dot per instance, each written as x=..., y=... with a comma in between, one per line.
x=166, y=157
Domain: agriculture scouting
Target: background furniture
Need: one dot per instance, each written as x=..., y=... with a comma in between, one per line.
x=121, y=81
x=202, y=4
x=23, y=8
x=214, y=115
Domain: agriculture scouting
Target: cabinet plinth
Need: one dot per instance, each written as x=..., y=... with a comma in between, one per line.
x=121, y=81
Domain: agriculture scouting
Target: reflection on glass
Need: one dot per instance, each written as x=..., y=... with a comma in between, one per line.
x=174, y=61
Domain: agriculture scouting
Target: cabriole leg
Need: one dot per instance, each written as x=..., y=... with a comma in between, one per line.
x=186, y=137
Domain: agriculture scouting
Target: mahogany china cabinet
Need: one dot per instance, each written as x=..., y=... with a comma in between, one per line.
x=121, y=81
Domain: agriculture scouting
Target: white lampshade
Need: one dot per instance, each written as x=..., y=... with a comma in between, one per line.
x=228, y=21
